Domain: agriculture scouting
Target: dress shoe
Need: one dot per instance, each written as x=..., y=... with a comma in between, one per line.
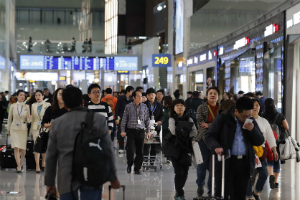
x=128, y=170
x=42, y=169
x=38, y=172
x=137, y=172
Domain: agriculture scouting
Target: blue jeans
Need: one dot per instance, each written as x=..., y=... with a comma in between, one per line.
x=262, y=178
x=86, y=193
x=275, y=164
x=201, y=169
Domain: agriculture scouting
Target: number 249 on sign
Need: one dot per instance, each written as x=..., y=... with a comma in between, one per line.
x=161, y=60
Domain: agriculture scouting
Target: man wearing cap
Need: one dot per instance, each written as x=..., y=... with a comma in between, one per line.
x=241, y=93
x=262, y=99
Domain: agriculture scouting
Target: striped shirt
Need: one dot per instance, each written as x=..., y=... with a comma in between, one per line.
x=103, y=109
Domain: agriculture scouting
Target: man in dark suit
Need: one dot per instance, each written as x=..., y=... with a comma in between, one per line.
x=229, y=134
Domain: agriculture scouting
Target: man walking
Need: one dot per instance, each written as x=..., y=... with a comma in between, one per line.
x=119, y=111
x=157, y=111
x=61, y=148
x=136, y=120
x=230, y=135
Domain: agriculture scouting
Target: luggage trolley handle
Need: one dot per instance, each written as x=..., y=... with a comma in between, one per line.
x=109, y=191
x=213, y=176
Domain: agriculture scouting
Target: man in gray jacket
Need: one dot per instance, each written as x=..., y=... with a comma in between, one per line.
x=60, y=149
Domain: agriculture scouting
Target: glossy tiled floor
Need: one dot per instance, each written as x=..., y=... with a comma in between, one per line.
x=149, y=186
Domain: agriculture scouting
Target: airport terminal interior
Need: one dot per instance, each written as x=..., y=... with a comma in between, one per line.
x=208, y=56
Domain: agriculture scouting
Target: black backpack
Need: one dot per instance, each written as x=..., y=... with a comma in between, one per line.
x=90, y=165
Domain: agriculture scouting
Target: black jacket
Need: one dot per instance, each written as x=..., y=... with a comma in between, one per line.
x=158, y=113
x=121, y=104
x=222, y=132
x=195, y=103
x=188, y=102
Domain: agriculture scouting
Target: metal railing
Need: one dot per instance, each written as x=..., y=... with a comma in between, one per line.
x=79, y=48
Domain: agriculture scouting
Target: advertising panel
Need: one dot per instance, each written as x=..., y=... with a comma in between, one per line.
x=178, y=26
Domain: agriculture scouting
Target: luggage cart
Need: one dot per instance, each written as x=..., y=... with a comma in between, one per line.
x=157, y=160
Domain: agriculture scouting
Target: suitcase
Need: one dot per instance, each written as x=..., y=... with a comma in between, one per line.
x=109, y=191
x=7, y=157
x=213, y=181
x=30, y=160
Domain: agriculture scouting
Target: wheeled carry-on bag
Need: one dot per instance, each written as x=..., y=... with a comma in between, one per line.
x=7, y=157
x=109, y=191
x=213, y=181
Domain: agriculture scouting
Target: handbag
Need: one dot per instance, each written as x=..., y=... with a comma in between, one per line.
x=40, y=145
x=265, y=154
x=197, y=157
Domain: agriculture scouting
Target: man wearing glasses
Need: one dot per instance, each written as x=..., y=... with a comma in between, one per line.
x=94, y=92
x=234, y=134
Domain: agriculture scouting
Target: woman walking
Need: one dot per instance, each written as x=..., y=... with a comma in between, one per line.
x=206, y=114
x=19, y=116
x=273, y=116
x=181, y=126
x=38, y=110
x=266, y=129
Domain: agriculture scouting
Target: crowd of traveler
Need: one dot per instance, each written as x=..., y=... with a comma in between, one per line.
x=218, y=126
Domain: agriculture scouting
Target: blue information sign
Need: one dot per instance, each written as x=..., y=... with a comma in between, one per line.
x=126, y=63
x=161, y=60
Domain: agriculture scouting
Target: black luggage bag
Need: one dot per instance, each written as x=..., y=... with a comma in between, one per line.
x=30, y=161
x=213, y=181
x=7, y=157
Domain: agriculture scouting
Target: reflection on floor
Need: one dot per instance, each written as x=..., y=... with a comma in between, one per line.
x=148, y=186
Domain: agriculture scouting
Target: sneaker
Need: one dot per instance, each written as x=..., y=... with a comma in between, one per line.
x=276, y=185
x=272, y=181
x=121, y=151
x=256, y=197
x=200, y=191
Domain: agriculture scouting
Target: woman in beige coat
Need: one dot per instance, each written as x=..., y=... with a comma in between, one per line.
x=37, y=111
x=19, y=116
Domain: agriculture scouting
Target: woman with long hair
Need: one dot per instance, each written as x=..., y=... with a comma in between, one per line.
x=37, y=111
x=273, y=116
x=57, y=109
x=206, y=114
x=266, y=129
x=19, y=116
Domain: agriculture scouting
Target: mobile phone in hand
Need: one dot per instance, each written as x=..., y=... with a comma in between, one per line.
x=246, y=122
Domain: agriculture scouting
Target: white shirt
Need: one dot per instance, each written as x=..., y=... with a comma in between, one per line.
x=20, y=105
x=267, y=131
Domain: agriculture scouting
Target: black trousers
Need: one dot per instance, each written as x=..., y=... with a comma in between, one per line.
x=135, y=142
x=236, y=178
x=119, y=137
x=181, y=174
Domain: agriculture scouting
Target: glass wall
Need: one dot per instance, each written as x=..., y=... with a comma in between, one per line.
x=238, y=74
x=196, y=81
x=273, y=74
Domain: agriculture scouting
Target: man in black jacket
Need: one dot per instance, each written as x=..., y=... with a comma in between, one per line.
x=157, y=111
x=119, y=111
x=230, y=135
x=196, y=101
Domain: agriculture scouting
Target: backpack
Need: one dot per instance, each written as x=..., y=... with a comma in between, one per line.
x=110, y=102
x=91, y=165
x=275, y=127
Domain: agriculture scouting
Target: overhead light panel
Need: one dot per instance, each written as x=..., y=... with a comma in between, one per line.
x=159, y=8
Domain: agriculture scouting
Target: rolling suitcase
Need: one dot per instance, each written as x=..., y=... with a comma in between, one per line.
x=7, y=157
x=213, y=181
x=30, y=161
x=109, y=191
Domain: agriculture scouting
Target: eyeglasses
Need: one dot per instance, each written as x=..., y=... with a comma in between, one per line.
x=98, y=92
